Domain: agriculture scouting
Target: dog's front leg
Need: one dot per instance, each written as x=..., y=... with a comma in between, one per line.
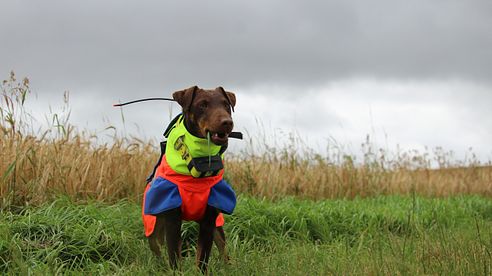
x=206, y=237
x=172, y=226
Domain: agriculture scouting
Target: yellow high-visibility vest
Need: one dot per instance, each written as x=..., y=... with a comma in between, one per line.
x=190, y=155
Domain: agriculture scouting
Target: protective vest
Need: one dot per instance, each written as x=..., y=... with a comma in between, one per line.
x=190, y=155
x=188, y=175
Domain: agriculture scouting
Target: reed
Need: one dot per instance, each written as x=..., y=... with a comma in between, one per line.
x=38, y=165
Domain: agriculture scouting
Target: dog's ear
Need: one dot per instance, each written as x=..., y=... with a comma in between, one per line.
x=185, y=97
x=231, y=98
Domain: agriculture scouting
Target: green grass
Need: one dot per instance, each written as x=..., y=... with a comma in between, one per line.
x=381, y=235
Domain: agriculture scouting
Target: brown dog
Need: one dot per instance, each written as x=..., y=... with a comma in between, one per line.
x=205, y=113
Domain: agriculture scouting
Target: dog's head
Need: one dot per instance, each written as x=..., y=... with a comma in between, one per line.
x=207, y=111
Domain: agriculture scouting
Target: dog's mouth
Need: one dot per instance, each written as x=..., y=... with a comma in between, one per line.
x=218, y=138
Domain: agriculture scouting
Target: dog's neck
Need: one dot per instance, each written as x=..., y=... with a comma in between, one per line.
x=191, y=126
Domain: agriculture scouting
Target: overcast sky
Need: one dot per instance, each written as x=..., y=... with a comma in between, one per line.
x=409, y=73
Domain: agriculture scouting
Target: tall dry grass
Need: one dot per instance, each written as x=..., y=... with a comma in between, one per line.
x=309, y=175
x=36, y=165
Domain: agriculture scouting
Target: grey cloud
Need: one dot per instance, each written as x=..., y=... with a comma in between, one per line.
x=154, y=45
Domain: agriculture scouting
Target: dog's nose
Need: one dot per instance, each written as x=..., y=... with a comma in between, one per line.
x=227, y=123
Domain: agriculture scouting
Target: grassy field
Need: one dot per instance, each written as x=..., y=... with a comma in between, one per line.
x=70, y=204
x=381, y=235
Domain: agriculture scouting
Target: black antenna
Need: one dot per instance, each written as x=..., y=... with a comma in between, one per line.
x=144, y=100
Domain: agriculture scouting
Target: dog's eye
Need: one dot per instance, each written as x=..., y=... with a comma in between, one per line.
x=226, y=105
x=203, y=106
